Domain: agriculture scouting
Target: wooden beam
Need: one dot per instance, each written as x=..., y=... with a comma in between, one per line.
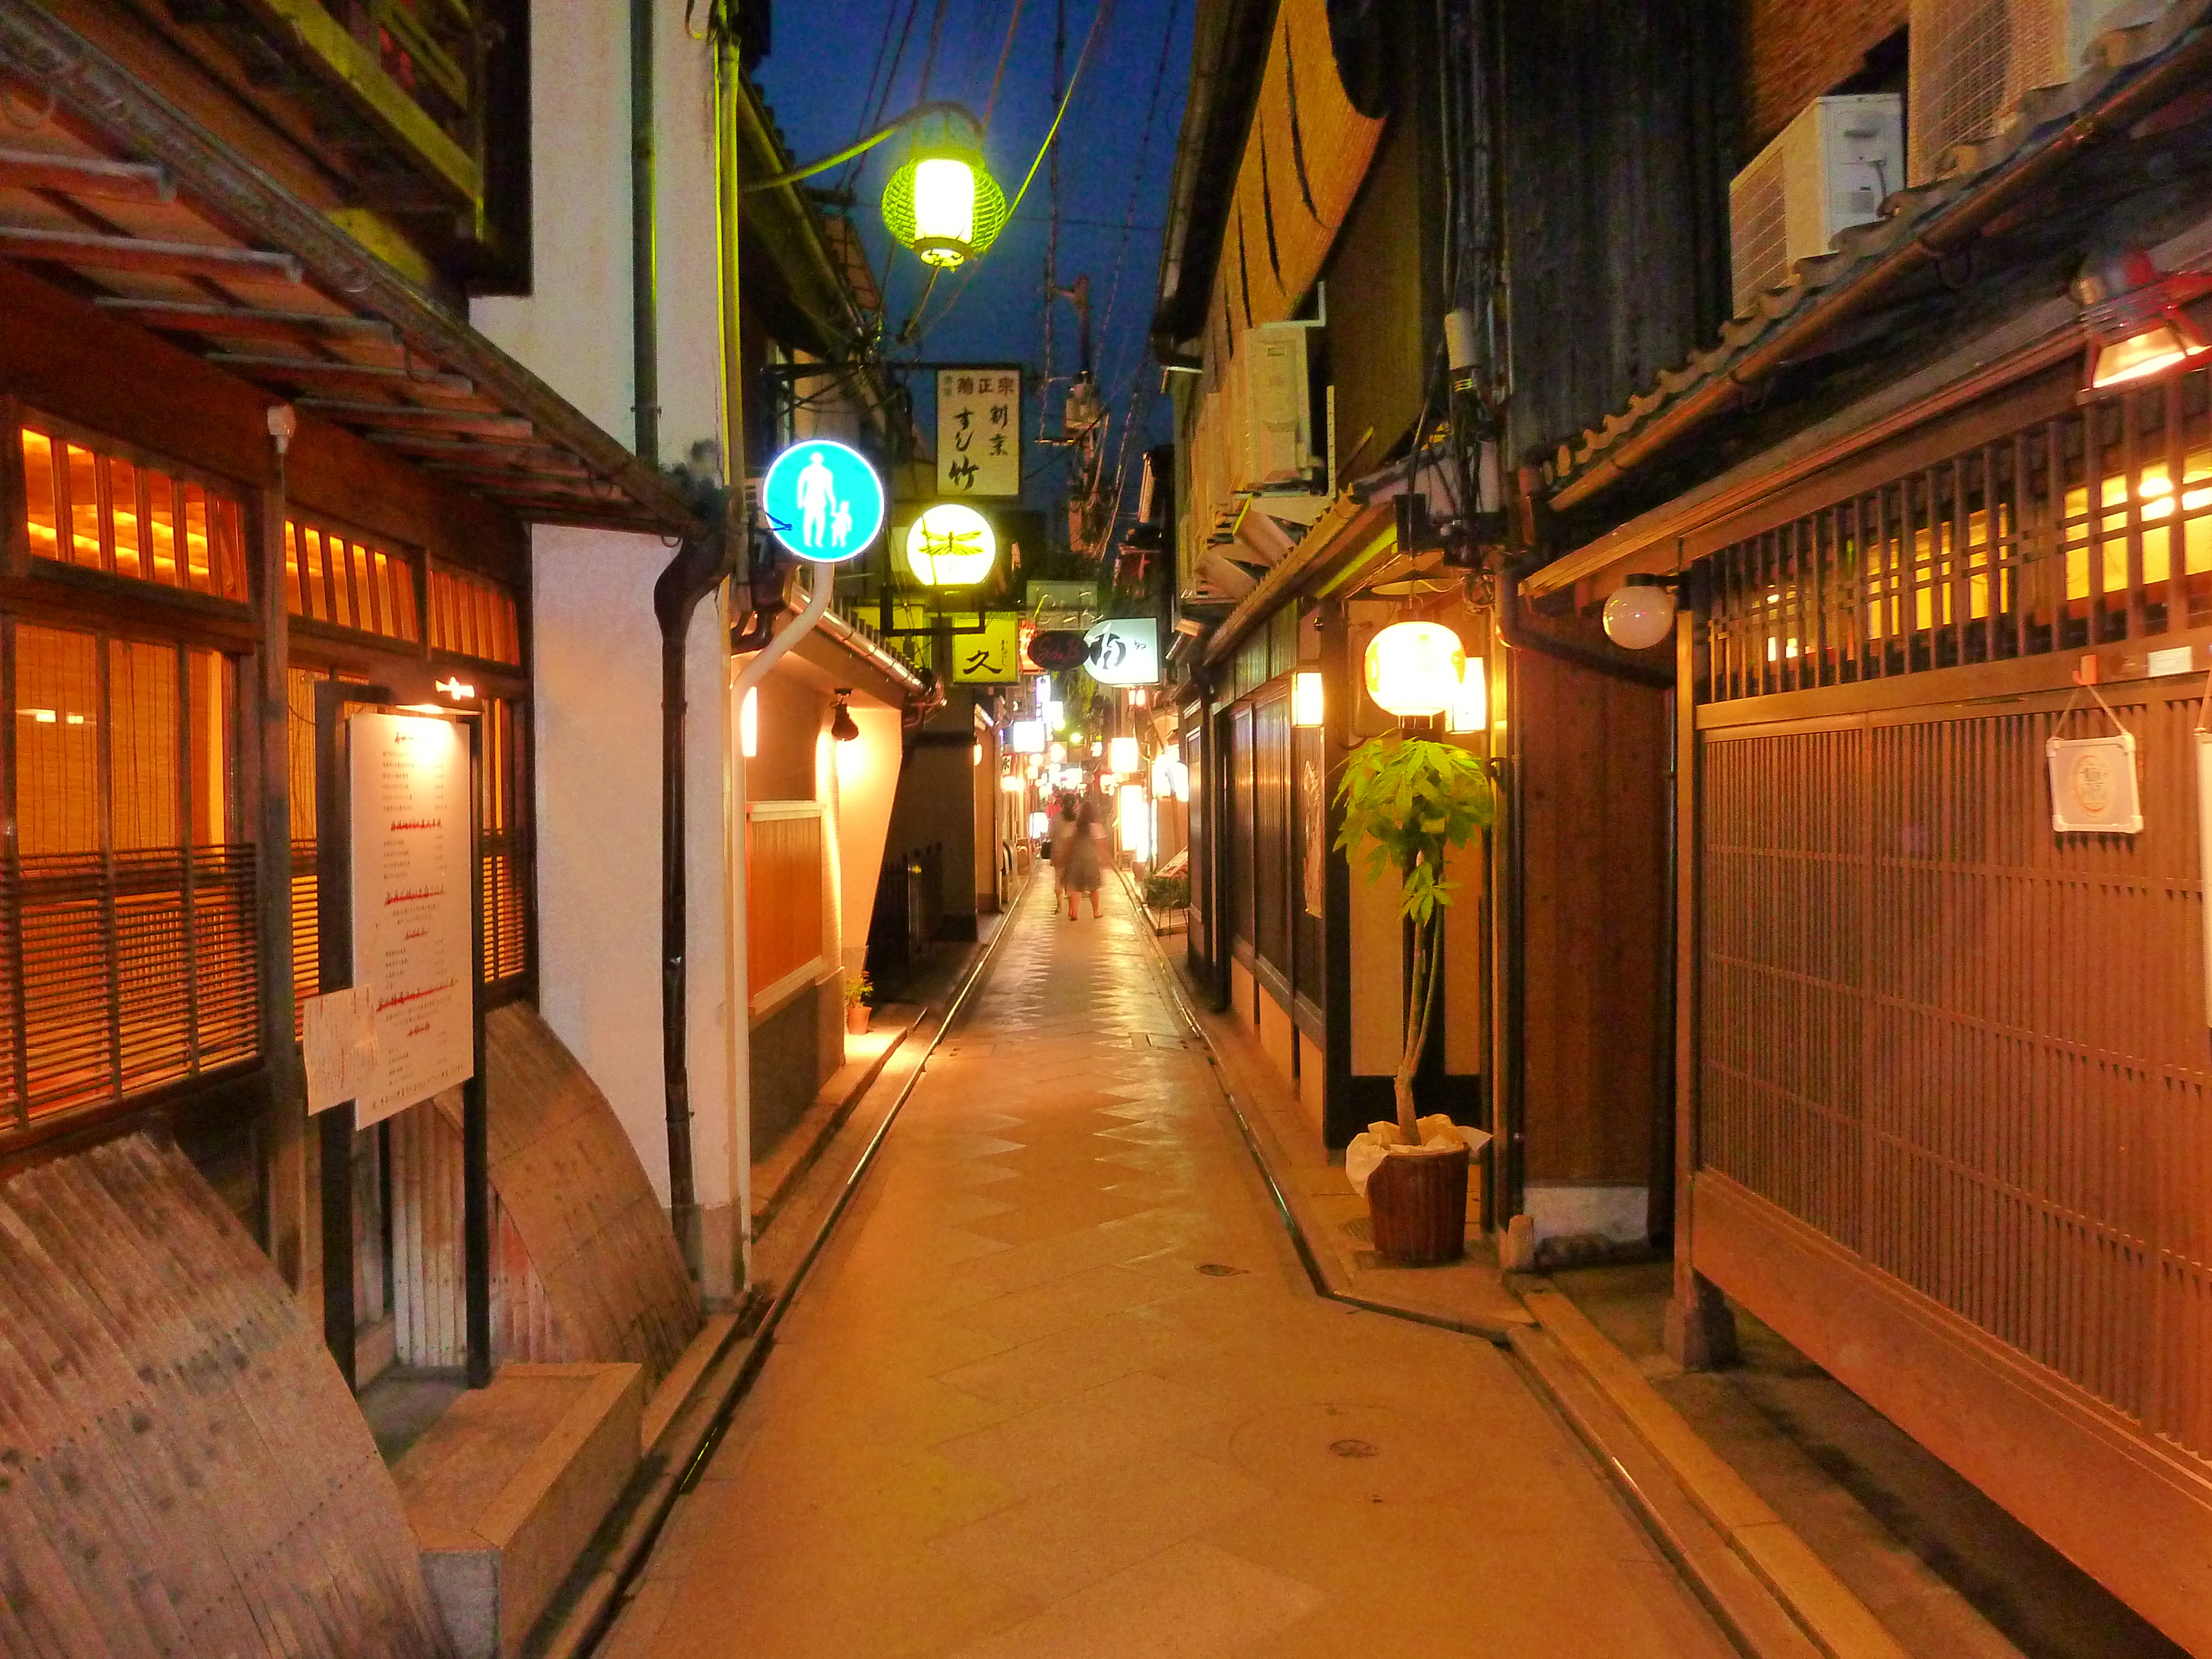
x=240, y=323
x=404, y=417
x=325, y=371
x=503, y=482
x=86, y=176
x=492, y=454
x=89, y=251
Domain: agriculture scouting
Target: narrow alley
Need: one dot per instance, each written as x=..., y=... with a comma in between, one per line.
x=1059, y=1386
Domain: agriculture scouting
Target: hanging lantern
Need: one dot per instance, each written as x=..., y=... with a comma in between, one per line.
x=941, y=202
x=951, y=545
x=1414, y=669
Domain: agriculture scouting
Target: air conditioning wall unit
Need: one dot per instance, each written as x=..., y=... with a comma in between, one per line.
x=1272, y=408
x=1970, y=61
x=1828, y=170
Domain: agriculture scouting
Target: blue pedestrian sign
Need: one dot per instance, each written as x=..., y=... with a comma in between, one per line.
x=823, y=500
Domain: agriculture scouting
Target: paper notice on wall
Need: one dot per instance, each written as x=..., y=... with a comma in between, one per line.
x=2092, y=786
x=412, y=870
x=337, y=1041
x=2204, y=854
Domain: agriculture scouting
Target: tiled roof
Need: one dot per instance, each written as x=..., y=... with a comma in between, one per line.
x=2115, y=58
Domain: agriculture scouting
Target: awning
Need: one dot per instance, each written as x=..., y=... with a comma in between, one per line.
x=126, y=198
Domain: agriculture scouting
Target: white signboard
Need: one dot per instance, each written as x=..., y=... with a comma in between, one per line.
x=1125, y=651
x=412, y=870
x=979, y=432
x=2093, y=785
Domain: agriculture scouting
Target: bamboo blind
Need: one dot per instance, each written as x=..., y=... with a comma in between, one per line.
x=87, y=507
x=503, y=846
x=1995, y=552
x=126, y=905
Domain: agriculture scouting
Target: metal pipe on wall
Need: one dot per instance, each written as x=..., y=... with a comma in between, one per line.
x=644, y=274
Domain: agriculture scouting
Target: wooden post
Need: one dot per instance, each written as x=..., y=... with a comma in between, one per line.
x=475, y=1136
x=1700, y=1331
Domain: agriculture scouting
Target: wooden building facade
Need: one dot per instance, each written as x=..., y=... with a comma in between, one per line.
x=1941, y=1063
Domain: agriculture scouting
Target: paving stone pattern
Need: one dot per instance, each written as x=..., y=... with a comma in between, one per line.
x=1059, y=1389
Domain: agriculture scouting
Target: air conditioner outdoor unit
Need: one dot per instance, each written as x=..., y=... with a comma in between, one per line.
x=1969, y=62
x=1274, y=406
x=1827, y=170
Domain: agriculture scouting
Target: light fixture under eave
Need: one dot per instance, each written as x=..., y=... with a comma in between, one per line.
x=2132, y=313
x=1306, y=703
x=942, y=201
x=1640, y=612
x=456, y=688
x=842, y=727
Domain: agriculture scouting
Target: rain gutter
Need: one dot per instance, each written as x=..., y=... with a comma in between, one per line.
x=1945, y=231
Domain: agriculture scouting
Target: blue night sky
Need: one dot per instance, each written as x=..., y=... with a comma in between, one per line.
x=817, y=80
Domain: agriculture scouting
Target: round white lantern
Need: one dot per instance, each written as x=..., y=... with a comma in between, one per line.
x=1414, y=669
x=1639, y=613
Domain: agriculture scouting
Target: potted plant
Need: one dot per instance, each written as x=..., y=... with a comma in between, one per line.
x=1412, y=801
x=859, y=992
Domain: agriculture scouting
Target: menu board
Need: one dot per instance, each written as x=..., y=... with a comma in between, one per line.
x=411, y=874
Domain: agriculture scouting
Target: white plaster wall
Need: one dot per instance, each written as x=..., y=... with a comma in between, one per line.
x=573, y=330
x=684, y=235
x=597, y=712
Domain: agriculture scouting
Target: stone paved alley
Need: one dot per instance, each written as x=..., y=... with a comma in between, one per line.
x=1059, y=1388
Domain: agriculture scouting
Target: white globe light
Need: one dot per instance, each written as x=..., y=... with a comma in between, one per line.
x=1414, y=669
x=951, y=545
x=1639, y=615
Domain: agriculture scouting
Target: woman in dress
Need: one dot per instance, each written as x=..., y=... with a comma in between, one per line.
x=1075, y=849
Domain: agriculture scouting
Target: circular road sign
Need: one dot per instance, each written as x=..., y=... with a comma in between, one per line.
x=823, y=500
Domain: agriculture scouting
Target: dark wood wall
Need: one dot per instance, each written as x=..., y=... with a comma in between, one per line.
x=1593, y=754
x=1618, y=146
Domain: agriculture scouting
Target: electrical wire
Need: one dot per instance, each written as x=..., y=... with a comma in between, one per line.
x=1074, y=80
x=1005, y=51
x=929, y=57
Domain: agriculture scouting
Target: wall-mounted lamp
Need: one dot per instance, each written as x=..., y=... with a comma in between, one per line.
x=1306, y=705
x=841, y=724
x=1122, y=756
x=1640, y=612
x=1470, y=709
x=2132, y=313
x=456, y=688
x=749, y=723
x=1414, y=669
x=974, y=754
x=1013, y=783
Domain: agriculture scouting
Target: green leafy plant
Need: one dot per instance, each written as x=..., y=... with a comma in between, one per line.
x=1410, y=800
x=1167, y=892
x=858, y=988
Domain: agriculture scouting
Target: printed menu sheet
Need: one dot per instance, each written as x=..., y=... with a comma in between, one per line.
x=412, y=873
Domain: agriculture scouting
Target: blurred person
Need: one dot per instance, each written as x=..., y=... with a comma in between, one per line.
x=1075, y=849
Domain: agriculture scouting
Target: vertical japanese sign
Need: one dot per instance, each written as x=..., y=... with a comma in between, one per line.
x=412, y=873
x=978, y=431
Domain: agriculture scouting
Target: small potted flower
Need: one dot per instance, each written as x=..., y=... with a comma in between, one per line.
x=859, y=993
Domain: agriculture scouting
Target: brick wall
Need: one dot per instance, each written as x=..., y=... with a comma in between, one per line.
x=1793, y=52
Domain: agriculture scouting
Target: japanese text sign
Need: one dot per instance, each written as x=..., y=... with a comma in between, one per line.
x=978, y=431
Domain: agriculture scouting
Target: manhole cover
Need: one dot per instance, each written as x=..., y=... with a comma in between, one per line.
x=1355, y=1448
x=1220, y=1270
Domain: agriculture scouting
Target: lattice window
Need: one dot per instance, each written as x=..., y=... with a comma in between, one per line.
x=1995, y=552
x=331, y=577
x=126, y=903
x=97, y=510
x=473, y=615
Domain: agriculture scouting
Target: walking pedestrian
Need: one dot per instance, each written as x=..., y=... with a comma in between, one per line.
x=1075, y=849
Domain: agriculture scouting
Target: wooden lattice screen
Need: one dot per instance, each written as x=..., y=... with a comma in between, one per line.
x=1970, y=1051
x=1995, y=551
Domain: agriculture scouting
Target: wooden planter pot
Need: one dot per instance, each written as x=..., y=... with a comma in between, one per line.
x=1418, y=1204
